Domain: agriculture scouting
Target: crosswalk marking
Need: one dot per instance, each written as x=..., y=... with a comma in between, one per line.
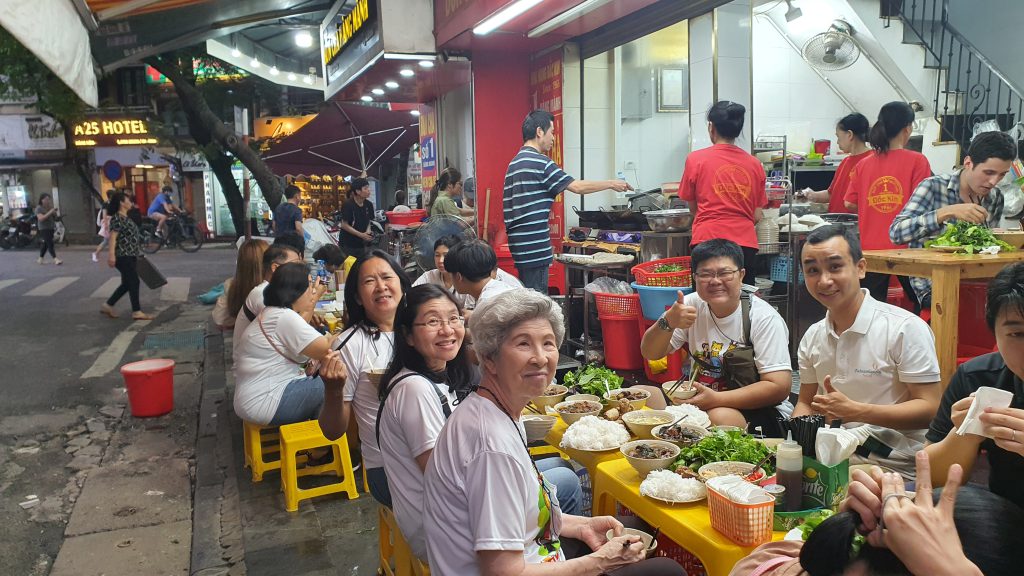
x=6, y=283
x=107, y=288
x=53, y=286
x=176, y=289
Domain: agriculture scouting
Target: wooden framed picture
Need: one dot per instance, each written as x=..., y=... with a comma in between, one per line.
x=673, y=91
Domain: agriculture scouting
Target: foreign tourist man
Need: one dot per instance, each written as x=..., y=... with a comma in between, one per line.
x=968, y=195
x=532, y=183
x=868, y=363
x=288, y=215
x=1004, y=441
x=161, y=208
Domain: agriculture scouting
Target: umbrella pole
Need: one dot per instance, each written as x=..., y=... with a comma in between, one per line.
x=486, y=216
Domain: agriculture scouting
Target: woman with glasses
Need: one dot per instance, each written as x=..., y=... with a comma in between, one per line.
x=488, y=508
x=427, y=375
x=272, y=386
x=374, y=288
x=724, y=185
x=709, y=323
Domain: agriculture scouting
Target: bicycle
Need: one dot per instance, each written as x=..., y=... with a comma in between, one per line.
x=182, y=232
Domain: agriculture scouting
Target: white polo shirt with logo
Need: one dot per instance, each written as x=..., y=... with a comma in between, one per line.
x=872, y=362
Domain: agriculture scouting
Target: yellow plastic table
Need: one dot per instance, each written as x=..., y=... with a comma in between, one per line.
x=588, y=460
x=688, y=525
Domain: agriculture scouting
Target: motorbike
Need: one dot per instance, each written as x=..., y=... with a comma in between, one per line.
x=19, y=232
x=181, y=231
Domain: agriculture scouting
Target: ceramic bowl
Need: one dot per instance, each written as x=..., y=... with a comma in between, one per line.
x=645, y=466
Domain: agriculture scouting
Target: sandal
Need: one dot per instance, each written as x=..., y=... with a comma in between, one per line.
x=109, y=311
x=142, y=316
x=313, y=462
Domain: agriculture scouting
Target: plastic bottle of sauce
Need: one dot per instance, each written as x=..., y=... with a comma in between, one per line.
x=789, y=465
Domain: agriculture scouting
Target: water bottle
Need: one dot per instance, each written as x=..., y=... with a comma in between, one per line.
x=789, y=465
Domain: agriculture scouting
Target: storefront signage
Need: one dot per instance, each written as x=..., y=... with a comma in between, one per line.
x=345, y=28
x=30, y=137
x=350, y=40
x=428, y=146
x=546, y=94
x=113, y=132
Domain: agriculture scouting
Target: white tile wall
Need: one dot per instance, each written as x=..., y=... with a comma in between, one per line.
x=789, y=97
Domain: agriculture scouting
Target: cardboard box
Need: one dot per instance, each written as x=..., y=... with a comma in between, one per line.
x=824, y=486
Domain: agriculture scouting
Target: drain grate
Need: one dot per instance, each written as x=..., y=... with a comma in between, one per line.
x=188, y=339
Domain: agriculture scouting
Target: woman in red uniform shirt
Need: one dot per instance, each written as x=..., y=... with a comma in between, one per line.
x=881, y=186
x=852, y=136
x=724, y=186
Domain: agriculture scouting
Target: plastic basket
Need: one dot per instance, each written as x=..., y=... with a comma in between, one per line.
x=654, y=300
x=780, y=269
x=646, y=276
x=744, y=524
x=617, y=304
x=405, y=218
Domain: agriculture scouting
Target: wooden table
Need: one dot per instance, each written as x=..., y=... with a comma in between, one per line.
x=945, y=271
x=688, y=525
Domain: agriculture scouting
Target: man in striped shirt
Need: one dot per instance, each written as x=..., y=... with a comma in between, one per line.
x=532, y=183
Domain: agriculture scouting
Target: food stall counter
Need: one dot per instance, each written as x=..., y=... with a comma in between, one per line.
x=689, y=525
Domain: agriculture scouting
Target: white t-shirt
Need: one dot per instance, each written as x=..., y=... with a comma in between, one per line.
x=465, y=300
x=361, y=354
x=261, y=372
x=434, y=277
x=409, y=426
x=254, y=301
x=493, y=288
x=872, y=362
x=482, y=492
x=710, y=337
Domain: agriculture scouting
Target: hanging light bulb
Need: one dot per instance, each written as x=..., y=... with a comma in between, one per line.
x=303, y=39
x=274, y=71
x=391, y=84
x=236, y=53
x=378, y=91
x=255, y=63
x=291, y=77
x=367, y=98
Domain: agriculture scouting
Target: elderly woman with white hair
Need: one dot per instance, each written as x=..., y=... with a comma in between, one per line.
x=488, y=509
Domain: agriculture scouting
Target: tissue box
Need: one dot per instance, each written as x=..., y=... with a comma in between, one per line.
x=824, y=486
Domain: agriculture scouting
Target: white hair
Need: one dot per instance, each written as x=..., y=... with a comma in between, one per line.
x=496, y=317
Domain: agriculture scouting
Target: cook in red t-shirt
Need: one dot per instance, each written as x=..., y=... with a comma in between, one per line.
x=880, y=187
x=841, y=182
x=727, y=185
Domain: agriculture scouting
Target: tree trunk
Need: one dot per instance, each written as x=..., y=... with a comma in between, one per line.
x=206, y=127
x=220, y=164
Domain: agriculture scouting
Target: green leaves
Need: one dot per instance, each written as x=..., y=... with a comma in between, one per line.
x=970, y=237
x=591, y=379
x=725, y=446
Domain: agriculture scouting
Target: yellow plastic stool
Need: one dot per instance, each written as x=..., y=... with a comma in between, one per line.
x=260, y=441
x=547, y=449
x=396, y=558
x=305, y=436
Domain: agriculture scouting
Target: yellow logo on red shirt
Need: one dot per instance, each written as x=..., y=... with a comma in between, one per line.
x=885, y=195
x=732, y=182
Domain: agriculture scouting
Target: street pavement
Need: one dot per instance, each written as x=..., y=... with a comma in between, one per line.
x=87, y=489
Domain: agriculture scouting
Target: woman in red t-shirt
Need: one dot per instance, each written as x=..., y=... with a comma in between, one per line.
x=724, y=186
x=882, y=185
x=851, y=135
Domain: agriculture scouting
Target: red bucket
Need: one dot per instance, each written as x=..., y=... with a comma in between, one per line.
x=150, y=385
x=621, y=348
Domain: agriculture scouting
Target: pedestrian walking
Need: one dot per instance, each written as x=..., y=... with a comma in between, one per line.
x=103, y=221
x=46, y=218
x=125, y=247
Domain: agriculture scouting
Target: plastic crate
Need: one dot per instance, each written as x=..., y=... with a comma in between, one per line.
x=617, y=304
x=780, y=269
x=646, y=276
x=744, y=524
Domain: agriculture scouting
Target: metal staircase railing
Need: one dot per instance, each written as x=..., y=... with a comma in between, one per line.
x=971, y=90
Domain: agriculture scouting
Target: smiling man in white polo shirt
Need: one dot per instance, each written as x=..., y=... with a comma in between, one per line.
x=868, y=363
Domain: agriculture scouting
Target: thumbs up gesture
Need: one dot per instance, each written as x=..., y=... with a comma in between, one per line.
x=834, y=404
x=680, y=315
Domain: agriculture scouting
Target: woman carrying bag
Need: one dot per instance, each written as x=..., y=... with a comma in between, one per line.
x=124, y=252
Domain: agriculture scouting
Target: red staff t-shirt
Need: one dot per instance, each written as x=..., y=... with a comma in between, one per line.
x=728, y=185
x=880, y=188
x=841, y=182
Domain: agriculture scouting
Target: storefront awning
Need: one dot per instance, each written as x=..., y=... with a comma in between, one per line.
x=30, y=140
x=346, y=139
x=53, y=31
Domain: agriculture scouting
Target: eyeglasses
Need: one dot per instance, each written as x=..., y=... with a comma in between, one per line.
x=723, y=275
x=436, y=323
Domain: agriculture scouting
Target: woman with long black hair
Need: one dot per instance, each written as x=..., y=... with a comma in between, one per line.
x=123, y=253
x=724, y=186
x=881, y=186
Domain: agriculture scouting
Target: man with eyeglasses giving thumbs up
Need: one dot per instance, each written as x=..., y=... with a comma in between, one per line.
x=717, y=319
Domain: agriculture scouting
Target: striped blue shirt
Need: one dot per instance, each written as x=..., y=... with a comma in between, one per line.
x=532, y=183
